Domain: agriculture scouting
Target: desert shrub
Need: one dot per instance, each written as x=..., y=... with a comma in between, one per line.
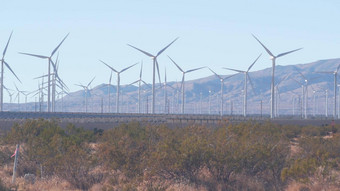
x=3, y=187
x=124, y=148
x=61, y=152
x=317, y=154
x=291, y=131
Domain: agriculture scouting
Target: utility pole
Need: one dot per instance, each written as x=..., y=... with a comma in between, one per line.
x=15, y=163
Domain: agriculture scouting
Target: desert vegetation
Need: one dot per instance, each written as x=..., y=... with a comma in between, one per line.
x=245, y=156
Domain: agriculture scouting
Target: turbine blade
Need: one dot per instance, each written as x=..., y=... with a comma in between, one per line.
x=91, y=82
x=40, y=77
x=109, y=67
x=54, y=66
x=141, y=71
x=80, y=85
x=215, y=73
x=16, y=87
x=282, y=54
x=59, y=45
x=159, y=76
x=251, y=84
x=146, y=84
x=160, y=52
x=182, y=83
x=240, y=71
x=133, y=82
x=254, y=62
x=303, y=76
x=176, y=64
x=35, y=55
x=127, y=68
x=268, y=51
x=297, y=82
x=146, y=53
x=12, y=71
x=110, y=77
x=229, y=76
x=194, y=69
x=3, y=55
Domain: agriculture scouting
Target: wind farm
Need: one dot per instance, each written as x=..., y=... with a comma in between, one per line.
x=169, y=95
x=229, y=103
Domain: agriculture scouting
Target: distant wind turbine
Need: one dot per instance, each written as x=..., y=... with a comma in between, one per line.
x=335, y=73
x=86, y=88
x=182, y=84
x=155, y=64
x=118, y=81
x=222, y=85
x=273, y=58
x=49, y=58
x=245, y=91
x=3, y=62
x=140, y=81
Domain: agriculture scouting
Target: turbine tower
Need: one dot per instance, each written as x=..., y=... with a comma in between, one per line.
x=222, y=85
x=246, y=76
x=273, y=58
x=155, y=64
x=118, y=81
x=108, y=90
x=49, y=58
x=3, y=62
x=182, y=84
x=335, y=73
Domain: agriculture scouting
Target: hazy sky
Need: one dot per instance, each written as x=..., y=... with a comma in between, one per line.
x=212, y=33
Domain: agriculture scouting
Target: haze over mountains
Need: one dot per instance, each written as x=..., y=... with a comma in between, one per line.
x=290, y=93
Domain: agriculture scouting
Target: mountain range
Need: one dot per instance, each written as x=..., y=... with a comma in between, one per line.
x=288, y=80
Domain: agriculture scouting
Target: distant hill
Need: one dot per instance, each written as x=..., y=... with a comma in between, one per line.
x=290, y=93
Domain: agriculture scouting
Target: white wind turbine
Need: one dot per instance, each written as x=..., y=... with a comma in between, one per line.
x=139, y=81
x=155, y=64
x=335, y=73
x=277, y=109
x=49, y=58
x=222, y=85
x=182, y=84
x=18, y=95
x=118, y=81
x=302, y=96
x=3, y=62
x=86, y=89
x=273, y=58
x=108, y=90
x=245, y=90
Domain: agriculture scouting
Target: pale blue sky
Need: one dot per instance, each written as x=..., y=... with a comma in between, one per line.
x=212, y=33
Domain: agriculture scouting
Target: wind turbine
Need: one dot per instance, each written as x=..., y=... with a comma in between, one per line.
x=222, y=85
x=335, y=73
x=182, y=84
x=278, y=94
x=302, y=97
x=245, y=91
x=86, y=88
x=18, y=96
x=165, y=85
x=108, y=90
x=273, y=58
x=118, y=81
x=140, y=81
x=49, y=58
x=155, y=64
x=3, y=62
